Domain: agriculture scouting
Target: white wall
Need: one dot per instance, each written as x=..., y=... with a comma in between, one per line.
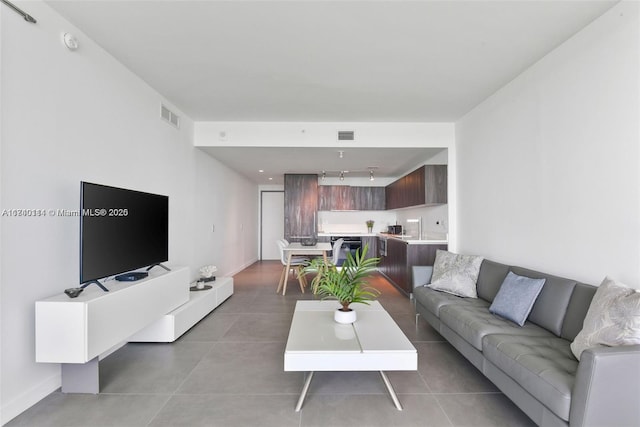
x=72, y=116
x=549, y=165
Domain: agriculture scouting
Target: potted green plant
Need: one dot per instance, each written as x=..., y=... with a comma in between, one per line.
x=370, y=225
x=348, y=284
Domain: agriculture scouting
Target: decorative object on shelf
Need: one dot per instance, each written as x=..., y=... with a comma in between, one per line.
x=207, y=271
x=370, y=225
x=200, y=286
x=347, y=284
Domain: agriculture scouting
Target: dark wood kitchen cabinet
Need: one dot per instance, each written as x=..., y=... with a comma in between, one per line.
x=369, y=198
x=336, y=198
x=401, y=256
x=426, y=185
x=300, y=206
x=324, y=197
x=396, y=263
x=394, y=196
x=347, y=198
x=343, y=198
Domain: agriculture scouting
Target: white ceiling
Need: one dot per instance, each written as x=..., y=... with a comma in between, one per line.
x=328, y=61
x=356, y=162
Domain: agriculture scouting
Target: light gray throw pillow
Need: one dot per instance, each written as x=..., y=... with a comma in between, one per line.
x=516, y=297
x=456, y=274
x=613, y=318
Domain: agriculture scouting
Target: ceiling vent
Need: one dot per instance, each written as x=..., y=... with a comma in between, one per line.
x=169, y=116
x=346, y=135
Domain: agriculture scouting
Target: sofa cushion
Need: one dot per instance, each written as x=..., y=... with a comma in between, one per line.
x=577, y=310
x=551, y=305
x=613, y=318
x=434, y=300
x=544, y=366
x=490, y=279
x=455, y=273
x=473, y=321
x=515, y=298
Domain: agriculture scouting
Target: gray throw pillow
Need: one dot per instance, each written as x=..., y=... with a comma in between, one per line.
x=613, y=318
x=516, y=297
x=456, y=274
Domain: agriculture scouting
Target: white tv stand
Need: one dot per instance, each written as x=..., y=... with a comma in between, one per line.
x=76, y=331
x=172, y=325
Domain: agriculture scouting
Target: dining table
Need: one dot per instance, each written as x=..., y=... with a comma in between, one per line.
x=298, y=249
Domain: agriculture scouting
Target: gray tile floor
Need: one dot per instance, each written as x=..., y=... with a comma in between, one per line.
x=228, y=371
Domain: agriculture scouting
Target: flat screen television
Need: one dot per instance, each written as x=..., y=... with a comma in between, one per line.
x=120, y=230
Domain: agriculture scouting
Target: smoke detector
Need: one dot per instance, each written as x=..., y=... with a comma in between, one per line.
x=70, y=41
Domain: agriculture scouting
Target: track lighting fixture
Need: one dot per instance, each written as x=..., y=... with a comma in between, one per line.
x=340, y=174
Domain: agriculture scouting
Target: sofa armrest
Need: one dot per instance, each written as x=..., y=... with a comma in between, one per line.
x=607, y=387
x=421, y=275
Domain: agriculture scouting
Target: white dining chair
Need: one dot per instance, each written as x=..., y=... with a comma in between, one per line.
x=296, y=264
x=337, y=248
x=335, y=257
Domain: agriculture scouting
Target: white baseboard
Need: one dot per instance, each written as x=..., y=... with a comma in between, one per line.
x=26, y=400
x=238, y=270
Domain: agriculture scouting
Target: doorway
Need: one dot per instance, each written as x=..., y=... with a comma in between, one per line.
x=271, y=223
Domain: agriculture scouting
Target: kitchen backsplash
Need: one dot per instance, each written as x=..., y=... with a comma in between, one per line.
x=340, y=222
x=434, y=220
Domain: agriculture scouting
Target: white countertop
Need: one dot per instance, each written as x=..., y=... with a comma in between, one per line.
x=347, y=234
x=428, y=238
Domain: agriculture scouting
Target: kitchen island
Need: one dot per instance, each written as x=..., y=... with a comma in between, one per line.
x=399, y=253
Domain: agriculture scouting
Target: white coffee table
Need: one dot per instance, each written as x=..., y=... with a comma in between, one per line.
x=373, y=343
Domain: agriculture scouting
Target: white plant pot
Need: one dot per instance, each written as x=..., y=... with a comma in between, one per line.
x=344, y=317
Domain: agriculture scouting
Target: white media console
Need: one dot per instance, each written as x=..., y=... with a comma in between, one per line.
x=77, y=331
x=172, y=325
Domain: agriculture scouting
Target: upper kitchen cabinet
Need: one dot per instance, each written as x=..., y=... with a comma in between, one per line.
x=435, y=182
x=336, y=198
x=426, y=185
x=347, y=198
x=300, y=206
x=370, y=198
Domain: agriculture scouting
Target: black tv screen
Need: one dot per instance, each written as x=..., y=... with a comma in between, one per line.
x=121, y=230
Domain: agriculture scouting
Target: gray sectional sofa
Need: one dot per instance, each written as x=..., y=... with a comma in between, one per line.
x=533, y=365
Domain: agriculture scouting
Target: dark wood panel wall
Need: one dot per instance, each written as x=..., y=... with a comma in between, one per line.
x=300, y=206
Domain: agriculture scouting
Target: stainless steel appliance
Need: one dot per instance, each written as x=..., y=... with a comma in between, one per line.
x=382, y=247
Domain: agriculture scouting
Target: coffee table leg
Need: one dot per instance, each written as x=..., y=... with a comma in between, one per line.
x=392, y=392
x=305, y=389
